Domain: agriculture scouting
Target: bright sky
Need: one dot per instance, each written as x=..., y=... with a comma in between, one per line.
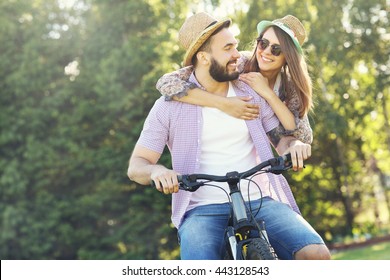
x=66, y=3
x=224, y=9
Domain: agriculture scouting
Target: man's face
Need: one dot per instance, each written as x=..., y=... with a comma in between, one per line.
x=224, y=55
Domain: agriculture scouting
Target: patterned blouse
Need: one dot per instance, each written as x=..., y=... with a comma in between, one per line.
x=177, y=84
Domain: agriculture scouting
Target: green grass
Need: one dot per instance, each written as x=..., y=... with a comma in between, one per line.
x=379, y=251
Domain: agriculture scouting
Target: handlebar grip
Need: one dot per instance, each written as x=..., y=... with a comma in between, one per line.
x=179, y=179
x=287, y=157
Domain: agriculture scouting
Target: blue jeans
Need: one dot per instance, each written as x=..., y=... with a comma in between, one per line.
x=201, y=233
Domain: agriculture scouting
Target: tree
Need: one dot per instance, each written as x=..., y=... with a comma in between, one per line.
x=80, y=79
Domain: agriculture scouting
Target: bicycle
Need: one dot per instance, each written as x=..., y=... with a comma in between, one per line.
x=246, y=239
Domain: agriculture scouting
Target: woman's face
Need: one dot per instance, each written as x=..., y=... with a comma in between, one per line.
x=267, y=61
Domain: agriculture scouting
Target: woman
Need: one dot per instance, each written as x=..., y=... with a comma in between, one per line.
x=276, y=70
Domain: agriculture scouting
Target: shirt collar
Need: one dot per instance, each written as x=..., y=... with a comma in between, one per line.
x=193, y=80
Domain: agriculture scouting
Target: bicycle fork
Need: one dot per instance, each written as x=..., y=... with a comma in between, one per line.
x=238, y=241
x=240, y=218
x=242, y=231
x=233, y=242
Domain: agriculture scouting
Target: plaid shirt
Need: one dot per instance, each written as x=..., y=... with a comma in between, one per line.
x=179, y=126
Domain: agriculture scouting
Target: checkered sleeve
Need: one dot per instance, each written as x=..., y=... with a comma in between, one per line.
x=154, y=135
x=268, y=117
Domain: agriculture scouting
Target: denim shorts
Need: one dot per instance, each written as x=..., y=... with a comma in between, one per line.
x=201, y=233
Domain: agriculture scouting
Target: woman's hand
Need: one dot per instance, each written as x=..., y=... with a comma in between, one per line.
x=299, y=152
x=240, y=108
x=258, y=83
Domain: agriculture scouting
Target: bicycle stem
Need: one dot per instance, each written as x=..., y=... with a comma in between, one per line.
x=237, y=199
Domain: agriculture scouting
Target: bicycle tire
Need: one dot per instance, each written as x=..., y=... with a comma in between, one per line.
x=259, y=249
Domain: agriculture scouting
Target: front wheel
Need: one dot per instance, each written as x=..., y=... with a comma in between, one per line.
x=259, y=249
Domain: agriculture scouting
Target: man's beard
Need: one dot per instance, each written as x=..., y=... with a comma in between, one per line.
x=220, y=73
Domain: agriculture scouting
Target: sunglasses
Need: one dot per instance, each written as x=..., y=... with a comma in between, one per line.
x=264, y=43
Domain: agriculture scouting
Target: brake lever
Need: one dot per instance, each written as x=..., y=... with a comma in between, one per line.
x=189, y=184
x=280, y=164
x=279, y=169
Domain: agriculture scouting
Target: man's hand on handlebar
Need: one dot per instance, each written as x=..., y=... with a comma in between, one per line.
x=165, y=180
x=299, y=152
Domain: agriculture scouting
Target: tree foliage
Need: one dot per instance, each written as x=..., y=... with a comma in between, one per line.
x=78, y=80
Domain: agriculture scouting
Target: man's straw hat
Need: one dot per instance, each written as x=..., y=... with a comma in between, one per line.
x=289, y=24
x=195, y=31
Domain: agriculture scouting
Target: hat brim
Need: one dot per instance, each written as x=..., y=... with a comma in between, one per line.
x=194, y=47
x=262, y=25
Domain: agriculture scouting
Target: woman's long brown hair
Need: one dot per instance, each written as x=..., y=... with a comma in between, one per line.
x=295, y=68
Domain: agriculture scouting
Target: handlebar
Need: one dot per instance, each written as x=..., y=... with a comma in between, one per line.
x=277, y=166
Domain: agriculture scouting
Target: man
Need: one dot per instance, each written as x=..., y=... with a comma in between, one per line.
x=206, y=140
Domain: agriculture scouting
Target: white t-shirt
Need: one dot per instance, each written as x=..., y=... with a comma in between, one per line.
x=226, y=146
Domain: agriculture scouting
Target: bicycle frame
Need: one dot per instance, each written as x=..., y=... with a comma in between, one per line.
x=241, y=230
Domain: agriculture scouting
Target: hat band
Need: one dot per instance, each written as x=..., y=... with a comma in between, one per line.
x=287, y=29
x=214, y=22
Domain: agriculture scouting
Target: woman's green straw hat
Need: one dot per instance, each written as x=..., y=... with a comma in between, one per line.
x=289, y=24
